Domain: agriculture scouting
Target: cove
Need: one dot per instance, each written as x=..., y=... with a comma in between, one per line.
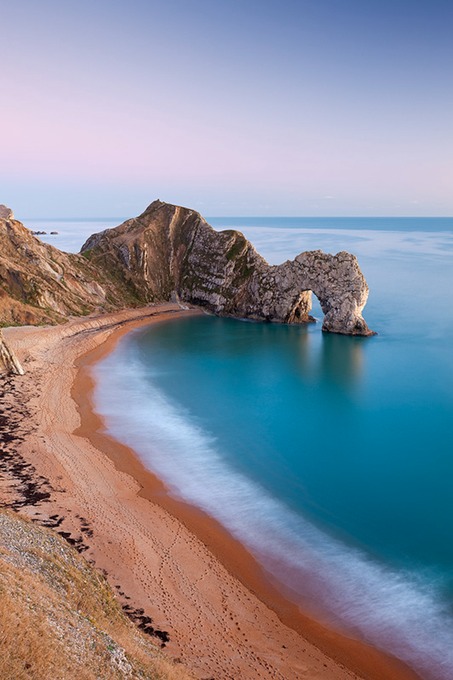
x=327, y=456
x=294, y=440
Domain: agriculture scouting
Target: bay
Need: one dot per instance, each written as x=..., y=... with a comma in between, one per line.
x=329, y=457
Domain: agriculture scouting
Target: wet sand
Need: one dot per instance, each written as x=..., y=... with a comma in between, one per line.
x=167, y=560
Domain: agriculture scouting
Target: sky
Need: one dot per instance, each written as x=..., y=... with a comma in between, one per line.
x=230, y=107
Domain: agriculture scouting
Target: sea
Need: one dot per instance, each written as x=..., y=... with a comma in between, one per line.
x=329, y=457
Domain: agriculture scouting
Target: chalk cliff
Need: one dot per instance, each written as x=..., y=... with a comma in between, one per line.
x=169, y=252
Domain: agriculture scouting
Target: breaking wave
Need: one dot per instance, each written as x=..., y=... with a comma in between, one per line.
x=401, y=612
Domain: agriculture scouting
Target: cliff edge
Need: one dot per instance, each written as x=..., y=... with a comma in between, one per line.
x=170, y=252
x=41, y=284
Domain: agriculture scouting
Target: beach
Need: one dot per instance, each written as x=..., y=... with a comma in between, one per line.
x=223, y=616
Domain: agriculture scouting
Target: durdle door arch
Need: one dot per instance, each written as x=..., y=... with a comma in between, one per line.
x=171, y=252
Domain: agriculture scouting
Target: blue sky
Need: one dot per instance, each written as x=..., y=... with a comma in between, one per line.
x=328, y=107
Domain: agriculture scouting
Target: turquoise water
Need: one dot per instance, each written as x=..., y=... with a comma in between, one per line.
x=327, y=424
x=329, y=457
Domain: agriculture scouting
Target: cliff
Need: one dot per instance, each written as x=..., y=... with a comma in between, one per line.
x=169, y=252
x=41, y=284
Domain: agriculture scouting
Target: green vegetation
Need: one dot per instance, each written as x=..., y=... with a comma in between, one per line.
x=237, y=247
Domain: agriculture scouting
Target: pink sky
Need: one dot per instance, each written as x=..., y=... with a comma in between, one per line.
x=230, y=109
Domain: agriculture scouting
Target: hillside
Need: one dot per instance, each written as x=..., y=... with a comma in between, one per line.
x=172, y=253
x=40, y=284
x=60, y=619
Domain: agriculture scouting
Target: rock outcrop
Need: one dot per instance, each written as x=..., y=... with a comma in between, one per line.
x=41, y=284
x=169, y=252
x=9, y=363
x=6, y=213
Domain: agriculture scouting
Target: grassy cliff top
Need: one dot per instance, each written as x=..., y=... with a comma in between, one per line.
x=59, y=618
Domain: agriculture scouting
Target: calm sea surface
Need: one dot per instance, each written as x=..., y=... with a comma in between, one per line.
x=330, y=457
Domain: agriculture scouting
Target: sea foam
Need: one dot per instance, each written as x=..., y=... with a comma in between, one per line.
x=400, y=612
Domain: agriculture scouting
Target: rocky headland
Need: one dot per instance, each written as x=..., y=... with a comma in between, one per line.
x=172, y=253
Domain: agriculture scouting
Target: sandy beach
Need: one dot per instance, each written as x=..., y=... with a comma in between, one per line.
x=165, y=559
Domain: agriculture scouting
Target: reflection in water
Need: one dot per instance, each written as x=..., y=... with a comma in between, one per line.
x=312, y=356
x=341, y=359
x=330, y=358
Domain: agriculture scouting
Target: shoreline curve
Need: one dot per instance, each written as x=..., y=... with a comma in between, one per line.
x=258, y=632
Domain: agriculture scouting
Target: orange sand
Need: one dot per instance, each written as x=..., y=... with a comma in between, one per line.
x=224, y=617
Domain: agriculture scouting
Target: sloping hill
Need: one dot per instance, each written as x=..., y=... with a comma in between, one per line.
x=172, y=253
x=59, y=618
x=41, y=284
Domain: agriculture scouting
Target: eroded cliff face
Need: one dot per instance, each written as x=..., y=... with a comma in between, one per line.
x=170, y=252
x=6, y=213
x=41, y=284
